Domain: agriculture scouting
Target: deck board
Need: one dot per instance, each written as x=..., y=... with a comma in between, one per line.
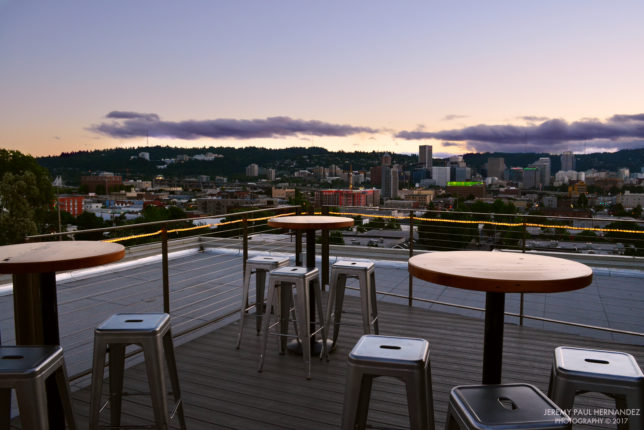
x=223, y=390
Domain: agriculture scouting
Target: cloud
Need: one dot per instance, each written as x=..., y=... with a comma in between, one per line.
x=133, y=124
x=116, y=114
x=532, y=118
x=549, y=136
x=452, y=117
x=448, y=144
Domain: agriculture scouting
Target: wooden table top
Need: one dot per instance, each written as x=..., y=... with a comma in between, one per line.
x=308, y=222
x=43, y=257
x=503, y=272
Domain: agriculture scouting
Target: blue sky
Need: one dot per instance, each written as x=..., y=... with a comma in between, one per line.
x=379, y=75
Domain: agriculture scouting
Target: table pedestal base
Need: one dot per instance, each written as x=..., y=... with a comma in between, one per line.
x=294, y=347
x=493, y=337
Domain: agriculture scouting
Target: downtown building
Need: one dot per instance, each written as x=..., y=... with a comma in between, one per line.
x=345, y=197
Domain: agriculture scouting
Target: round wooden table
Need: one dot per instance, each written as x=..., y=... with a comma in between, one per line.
x=310, y=223
x=35, y=308
x=498, y=273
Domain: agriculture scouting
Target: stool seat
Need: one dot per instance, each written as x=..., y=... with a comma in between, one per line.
x=134, y=324
x=25, y=369
x=403, y=358
x=294, y=271
x=614, y=373
x=261, y=265
x=152, y=332
x=352, y=264
x=364, y=271
x=509, y=406
x=266, y=262
x=389, y=351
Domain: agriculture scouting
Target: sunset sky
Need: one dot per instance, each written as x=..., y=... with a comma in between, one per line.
x=463, y=76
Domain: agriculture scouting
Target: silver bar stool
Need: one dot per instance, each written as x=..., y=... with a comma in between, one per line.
x=280, y=299
x=260, y=265
x=152, y=333
x=616, y=374
x=25, y=369
x=503, y=407
x=365, y=272
x=403, y=358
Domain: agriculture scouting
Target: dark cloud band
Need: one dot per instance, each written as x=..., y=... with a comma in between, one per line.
x=553, y=134
x=133, y=124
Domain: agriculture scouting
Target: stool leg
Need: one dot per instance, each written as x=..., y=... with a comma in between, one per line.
x=266, y=323
x=339, y=302
x=562, y=393
x=450, y=422
x=32, y=403
x=98, y=368
x=168, y=346
x=244, y=304
x=363, y=401
x=374, y=301
x=318, y=301
x=331, y=302
x=365, y=302
x=65, y=395
x=116, y=368
x=303, y=318
x=260, y=280
x=285, y=298
x=356, y=399
x=418, y=402
x=5, y=407
x=152, y=351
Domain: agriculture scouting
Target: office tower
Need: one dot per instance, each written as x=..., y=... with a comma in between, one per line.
x=389, y=182
x=425, y=156
x=543, y=164
x=252, y=170
x=531, y=177
x=386, y=160
x=441, y=175
x=567, y=161
x=495, y=167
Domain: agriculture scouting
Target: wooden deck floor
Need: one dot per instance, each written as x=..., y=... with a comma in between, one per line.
x=223, y=390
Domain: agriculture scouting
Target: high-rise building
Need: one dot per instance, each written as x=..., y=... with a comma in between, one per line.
x=441, y=176
x=567, y=161
x=252, y=170
x=495, y=167
x=425, y=156
x=389, y=182
x=531, y=177
x=543, y=164
x=270, y=174
x=386, y=159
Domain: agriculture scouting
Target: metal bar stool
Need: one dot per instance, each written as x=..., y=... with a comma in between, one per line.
x=152, y=333
x=279, y=298
x=259, y=265
x=503, y=407
x=366, y=274
x=616, y=374
x=403, y=358
x=25, y=369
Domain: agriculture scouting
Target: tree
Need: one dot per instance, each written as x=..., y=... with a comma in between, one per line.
x=17, y=216
x=26, y=195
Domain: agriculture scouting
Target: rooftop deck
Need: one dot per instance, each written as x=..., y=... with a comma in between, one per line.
x=222, y=388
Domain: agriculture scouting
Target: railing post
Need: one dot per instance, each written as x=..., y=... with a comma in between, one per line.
x=166, y=277
x=298, y=243
x=245, y=249
x=325, y=252
x=410, y=297
x=525, y=232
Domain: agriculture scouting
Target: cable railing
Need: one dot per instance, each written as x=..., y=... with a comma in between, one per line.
x=204, y=290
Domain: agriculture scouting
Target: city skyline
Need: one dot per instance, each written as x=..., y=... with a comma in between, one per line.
x=499, y=76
